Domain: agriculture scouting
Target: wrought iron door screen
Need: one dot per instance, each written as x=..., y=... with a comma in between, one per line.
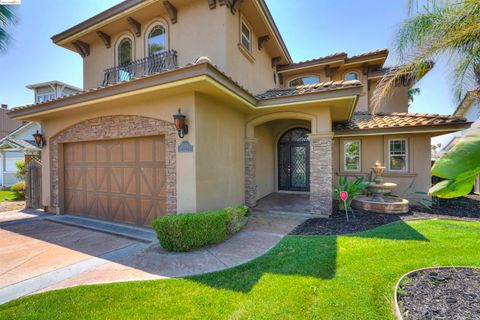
x=294, y=160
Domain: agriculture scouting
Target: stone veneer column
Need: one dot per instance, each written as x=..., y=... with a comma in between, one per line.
x=321, y=174
x=250, y=179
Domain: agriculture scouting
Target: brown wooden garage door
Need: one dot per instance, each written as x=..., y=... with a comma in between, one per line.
x=120, y=180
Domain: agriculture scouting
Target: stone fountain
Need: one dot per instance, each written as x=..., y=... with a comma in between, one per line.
x=379, y=201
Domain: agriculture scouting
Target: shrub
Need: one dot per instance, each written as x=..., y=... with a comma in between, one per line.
x=184, y=232
x=21, y=170
x=236, y=219
x=354, y=188
x=19, y=190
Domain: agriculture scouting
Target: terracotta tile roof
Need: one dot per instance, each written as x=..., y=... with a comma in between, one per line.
x=310, y=88
x=366, y=121
x=370, y=53
x=102, y=87
x=334, y=55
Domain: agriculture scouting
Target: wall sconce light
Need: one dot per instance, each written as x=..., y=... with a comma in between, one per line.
x=39, y=139
x=179, y=119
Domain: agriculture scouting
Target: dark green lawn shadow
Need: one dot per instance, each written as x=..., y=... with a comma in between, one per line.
x=294, y=255
x=398, y=230
x=311, y=256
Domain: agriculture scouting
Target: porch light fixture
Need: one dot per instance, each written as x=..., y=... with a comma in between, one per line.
x=39, y=140
x=179, y=119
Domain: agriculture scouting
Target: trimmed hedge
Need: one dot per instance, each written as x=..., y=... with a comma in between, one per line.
x=184, y=232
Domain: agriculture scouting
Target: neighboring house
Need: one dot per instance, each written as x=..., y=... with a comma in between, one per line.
x=468, y=108
x=13, y=149
x=7, y=125
x=18, y=143
x=51, y=90
x=258, y=123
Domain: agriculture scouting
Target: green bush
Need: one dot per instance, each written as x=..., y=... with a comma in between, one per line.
x=184, y=232
x=236, y=219
x=19, y=190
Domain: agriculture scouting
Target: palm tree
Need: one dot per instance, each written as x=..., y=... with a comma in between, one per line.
x=440, y=28
x=7, y=17
x=411, y=95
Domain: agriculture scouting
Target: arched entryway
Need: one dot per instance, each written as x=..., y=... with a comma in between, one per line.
x=294, y=160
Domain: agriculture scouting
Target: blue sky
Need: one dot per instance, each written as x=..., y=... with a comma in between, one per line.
x=324, y=28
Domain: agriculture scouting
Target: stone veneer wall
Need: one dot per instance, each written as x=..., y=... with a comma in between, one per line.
x=250, y=181
x=321, y=174
x=115, y=127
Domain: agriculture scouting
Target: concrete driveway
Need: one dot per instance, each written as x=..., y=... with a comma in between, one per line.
x=39, y=255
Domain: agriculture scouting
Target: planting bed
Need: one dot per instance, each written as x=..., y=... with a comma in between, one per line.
x=441, y=293
x=465, y=208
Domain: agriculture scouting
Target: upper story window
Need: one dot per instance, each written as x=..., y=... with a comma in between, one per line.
x=156, y=40
x=44, y=97
x=303, y=81
x=398, y=155
x=352, y=155
x=246, y=36
x=352, y=76
x=124, y=51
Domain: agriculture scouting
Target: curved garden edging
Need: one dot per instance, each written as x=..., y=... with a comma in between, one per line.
x=398, y=312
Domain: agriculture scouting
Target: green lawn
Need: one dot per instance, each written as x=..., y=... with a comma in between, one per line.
x=303, y=277
x=6, y=195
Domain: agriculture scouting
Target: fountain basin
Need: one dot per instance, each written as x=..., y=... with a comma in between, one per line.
x=381, y=188
x=383, y=205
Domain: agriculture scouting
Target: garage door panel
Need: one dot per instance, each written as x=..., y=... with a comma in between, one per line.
x=123, y=180
x=129, y=151
x=90, y=152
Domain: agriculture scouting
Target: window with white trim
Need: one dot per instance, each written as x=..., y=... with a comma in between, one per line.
x=398, y=155
x=246, y=37
x=304, y=81
x=352, y=155
x=352, y=76
x=44, y=97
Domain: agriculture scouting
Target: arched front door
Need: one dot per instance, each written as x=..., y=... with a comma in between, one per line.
x=294, y=160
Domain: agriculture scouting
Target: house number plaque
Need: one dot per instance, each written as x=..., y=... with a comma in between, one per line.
x=185, y=147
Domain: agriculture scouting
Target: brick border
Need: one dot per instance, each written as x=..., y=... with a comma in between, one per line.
x=116, y=127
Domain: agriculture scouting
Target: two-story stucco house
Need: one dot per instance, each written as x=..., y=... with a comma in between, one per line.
x=258, y=123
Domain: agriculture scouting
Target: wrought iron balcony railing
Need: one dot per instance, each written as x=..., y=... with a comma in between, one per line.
x=153, y=64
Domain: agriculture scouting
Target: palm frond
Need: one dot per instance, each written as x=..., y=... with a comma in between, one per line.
x=452, y=30
x=7, y=18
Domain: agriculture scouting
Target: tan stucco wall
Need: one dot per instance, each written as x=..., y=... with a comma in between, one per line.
x=256, y=76
x=374, y=148
x=220, y=165
x=362, y=104
x=147, y=106
x=195, y=34
x=397, y=102
x=198, y=32
x=265, y=160
x=266, y=165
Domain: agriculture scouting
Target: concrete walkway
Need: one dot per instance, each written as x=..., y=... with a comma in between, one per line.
x=44, y=255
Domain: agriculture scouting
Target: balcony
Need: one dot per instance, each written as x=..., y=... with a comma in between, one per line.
x=160, y=62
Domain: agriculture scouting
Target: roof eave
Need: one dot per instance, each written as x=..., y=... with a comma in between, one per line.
x=108, y=14
x=271, y=22
x=439, y=128
x=312, y=97
x=169, y=78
